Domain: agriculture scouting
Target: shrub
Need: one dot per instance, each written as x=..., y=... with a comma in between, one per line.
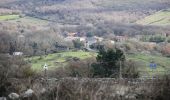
x=130, y=69
x=157, y=39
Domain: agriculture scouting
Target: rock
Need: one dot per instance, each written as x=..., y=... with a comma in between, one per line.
x=3, y=98
x=131, y=96
x=28, y=93
x=43, y=91
x=13, y=96
x=121, y=90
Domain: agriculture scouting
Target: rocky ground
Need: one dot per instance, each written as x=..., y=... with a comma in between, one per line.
x=86, y=89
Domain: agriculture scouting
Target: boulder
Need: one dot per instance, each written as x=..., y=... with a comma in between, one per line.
x=3, y=98
x=13, y=96
x=131, y=96
x=28, y=93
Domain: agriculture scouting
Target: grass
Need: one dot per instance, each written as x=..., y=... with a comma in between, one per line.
x=57, y=59
x=142, y=60
x=163, y=64
x=31, y=21
x=159, y=18
x=24, y=20
x=8, y=17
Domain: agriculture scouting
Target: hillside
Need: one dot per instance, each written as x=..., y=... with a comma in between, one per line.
x=76, y=12
x=61, y=59
x=58, y=59
x=159, y=18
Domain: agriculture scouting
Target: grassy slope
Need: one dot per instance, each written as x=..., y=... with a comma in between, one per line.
x=8, y=17
x=159, y=18
x=163, y=63
x=57, y=59
x=23, y=20
x=31, y=21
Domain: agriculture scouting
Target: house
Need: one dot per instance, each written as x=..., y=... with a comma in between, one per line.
x=91, y=40
x=17, y=53
x=120, y=38
x=98, y=39
x=70, y=38
x=82, y=39
x=112, y=42
x=71, y=34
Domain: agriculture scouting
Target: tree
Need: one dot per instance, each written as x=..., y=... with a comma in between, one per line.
x=78, y=44
x=11, y=49
x=157, y=39
x=13, y=67
x=108, y=62
x=90, y=34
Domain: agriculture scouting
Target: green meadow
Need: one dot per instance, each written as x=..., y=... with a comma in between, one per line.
x=61, y=59
x=57, y=59
x=8, y=17
x=143, y=61
x=159, y=18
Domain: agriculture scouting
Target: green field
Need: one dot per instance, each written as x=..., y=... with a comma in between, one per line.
x=57, y=59
x=142, y=60
x=159, y=18
x=163, y=64
x=23, y=20
x=30, y=21
x=9, y=17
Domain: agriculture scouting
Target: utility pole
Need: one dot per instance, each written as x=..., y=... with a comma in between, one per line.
x=120, y=69
x=45, y=73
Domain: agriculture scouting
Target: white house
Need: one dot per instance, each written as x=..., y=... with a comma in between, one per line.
x=17, y=53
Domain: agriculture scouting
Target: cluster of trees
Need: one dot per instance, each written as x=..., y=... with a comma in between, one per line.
x=12, y=68
x=32, y=42
x=157, y=39
x=112, y=62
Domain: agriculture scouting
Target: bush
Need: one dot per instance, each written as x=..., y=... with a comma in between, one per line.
x=78, y=44
x=130, y=70
x=157, y=39
x=161, y=90
x=78, y=68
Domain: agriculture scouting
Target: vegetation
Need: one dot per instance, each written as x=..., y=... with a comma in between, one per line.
x=78, y=44
x=39, y=29
x=159, y=18
x=57, y=59
x=143, y=64
x=157, y=39
x=13, y=67
x=30, y=21
x=108, y=63
x=9, y=17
